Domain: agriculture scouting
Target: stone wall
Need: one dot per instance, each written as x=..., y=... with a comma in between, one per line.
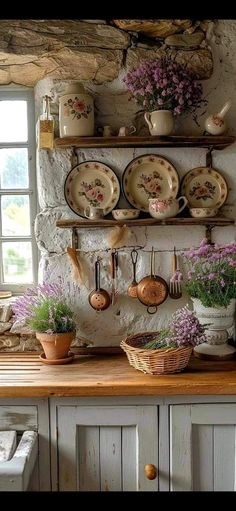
x=112, y=107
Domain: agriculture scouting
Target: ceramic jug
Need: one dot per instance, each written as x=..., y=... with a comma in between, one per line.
x=215, y=123
x=166, y=208
x=76, y=112
x=160, y=122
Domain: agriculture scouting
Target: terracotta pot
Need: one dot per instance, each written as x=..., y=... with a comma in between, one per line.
x=55, y=345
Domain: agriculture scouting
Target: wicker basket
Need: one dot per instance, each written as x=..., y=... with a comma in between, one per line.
x=159, y=361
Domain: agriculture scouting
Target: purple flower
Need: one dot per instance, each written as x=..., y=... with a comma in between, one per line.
x=163, y=83
x=211, y=273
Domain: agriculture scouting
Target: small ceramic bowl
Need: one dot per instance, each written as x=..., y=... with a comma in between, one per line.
x=125, y=214
x=203, y=212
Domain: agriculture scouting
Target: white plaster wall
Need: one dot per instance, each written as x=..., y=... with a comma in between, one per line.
x=128, y=315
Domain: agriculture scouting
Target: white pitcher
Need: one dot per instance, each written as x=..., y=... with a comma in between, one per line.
x=160, y=122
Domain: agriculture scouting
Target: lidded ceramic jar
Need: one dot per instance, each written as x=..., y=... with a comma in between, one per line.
x=76, y=112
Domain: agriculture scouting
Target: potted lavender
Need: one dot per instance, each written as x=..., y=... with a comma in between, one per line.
x=211, y=283
x=46, y=312
x=164, y=89
x=167, y=351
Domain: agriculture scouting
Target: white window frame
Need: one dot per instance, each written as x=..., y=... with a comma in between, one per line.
x=18, y=93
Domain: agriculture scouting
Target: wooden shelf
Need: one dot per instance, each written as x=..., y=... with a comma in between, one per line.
x=221, y=221
x=217, y=142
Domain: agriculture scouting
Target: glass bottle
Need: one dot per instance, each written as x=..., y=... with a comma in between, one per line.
x=46, y=126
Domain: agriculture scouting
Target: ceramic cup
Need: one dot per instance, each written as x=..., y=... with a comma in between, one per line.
x=94, y=213
x=124, y=131
x=203, y=212
x=125, y=214
x=166, y=208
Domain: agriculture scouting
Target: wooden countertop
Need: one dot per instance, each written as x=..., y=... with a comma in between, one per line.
x=24, y=375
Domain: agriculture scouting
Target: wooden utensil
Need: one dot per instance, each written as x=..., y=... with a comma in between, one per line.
x=132, y=289
x=175, y=290
x=99, y=298
x=114, y=267
x=76, y=263
x=152, y=290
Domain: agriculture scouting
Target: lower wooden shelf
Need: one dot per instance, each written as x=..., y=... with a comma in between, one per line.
x=214, y=221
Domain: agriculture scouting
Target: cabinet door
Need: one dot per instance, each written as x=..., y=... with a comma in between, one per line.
x=202, y=447
x=106, y=448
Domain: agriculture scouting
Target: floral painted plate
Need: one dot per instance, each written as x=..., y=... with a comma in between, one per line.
x=204, y=187
x=91, y=183
x=147, y=177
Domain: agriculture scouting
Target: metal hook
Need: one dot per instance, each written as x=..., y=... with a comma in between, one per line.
x=209, y=157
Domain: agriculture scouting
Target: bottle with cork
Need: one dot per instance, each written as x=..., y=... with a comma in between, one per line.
x=46, y=126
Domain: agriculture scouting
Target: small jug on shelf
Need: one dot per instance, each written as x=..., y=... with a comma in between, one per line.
x=215, y=123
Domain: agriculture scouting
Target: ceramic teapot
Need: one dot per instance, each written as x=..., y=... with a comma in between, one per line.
x=166, y=208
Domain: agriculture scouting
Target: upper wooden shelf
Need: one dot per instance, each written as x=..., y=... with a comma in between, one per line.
x=82, y=223
x=219, y=142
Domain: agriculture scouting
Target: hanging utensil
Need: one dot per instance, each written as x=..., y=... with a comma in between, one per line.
x=152, y=290
x=132, y=289
x=114, y=266
x=175, y=290
x=99, y=298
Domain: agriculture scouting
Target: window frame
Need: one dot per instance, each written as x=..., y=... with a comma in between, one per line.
x=19, y=93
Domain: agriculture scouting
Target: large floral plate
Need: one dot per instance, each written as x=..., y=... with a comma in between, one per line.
x=147, y=177
x=204, y=187
x=91, y=183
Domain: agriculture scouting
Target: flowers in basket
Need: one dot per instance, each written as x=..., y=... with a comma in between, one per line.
x=211, y=273
x=44, y=309
x=184, y=331
x=163, y=84
x=169, y=350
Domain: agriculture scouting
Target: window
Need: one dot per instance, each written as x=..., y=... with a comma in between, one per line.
x=18, y=202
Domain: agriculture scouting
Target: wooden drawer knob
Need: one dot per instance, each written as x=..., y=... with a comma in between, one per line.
x=150, y=471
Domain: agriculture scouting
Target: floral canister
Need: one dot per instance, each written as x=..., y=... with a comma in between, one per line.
x=76, y=112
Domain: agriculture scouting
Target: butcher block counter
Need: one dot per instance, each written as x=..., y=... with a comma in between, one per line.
x=24, y=375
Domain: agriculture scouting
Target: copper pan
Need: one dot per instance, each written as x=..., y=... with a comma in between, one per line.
x=99, y=298
x=152, y=290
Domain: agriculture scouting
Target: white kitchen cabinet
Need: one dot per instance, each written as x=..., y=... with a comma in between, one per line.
x=104, y=448
x=202, y=447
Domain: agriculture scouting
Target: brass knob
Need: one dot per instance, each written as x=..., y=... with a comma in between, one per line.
x=150, y=471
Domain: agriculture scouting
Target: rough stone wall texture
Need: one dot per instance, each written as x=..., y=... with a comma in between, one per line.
x=72, y=49
x=113, y=107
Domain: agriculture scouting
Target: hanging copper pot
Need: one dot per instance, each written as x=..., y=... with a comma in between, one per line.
x=152, y=290
x=99, y=298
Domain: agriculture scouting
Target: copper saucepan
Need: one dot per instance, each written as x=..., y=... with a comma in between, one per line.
x=152, y=290
x=99, y=298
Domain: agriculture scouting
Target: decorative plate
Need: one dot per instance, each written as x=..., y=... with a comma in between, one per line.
x=147, y=177
x=91, y=183
x=204, y=187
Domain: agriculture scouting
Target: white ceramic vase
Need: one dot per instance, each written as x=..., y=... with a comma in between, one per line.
x=76, y=112
x=160, y=122
x=220, y=320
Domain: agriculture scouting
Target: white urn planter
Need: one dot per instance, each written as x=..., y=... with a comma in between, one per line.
x=220, y=320
x=160, y=122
